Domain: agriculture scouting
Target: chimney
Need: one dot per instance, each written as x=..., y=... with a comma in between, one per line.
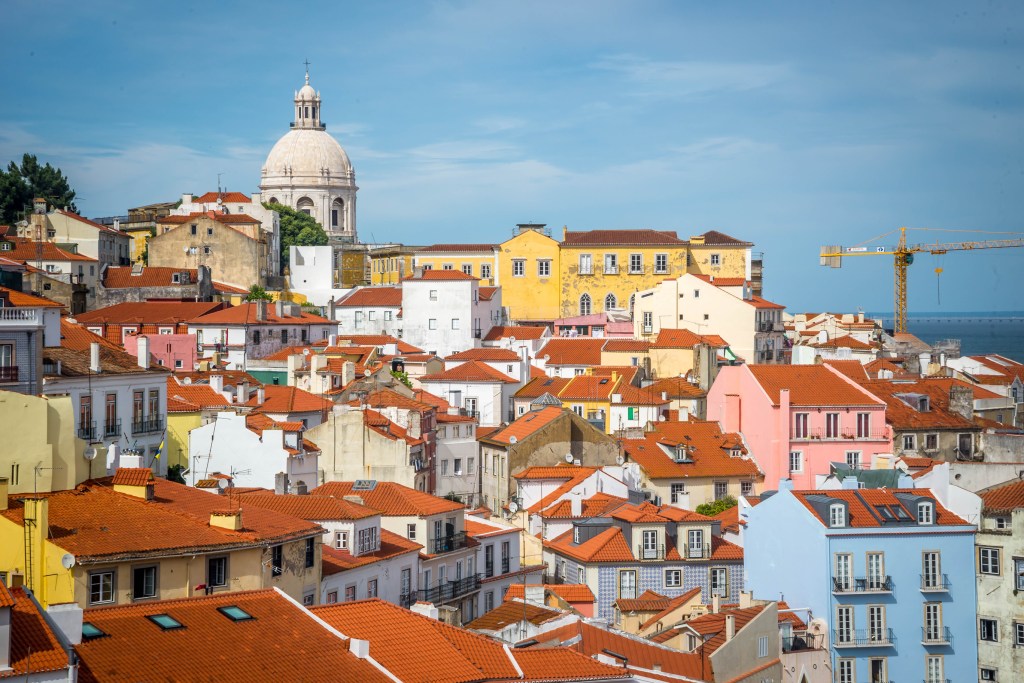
x=534, y=594
x=358, y=500
x=261, y=311
x=142, y=350
x=296, y=362
x=217, y=383
x=716, y=604
x=332, y=340
x=746, y=599
x=424, y=608
x=331, y=307
x=575, y=505
x=281, y=483
x=961, y=401
x=241, y=392
x=348, y=373
x=317, y=362
x=4, y=488
x=730, y=627
x=360, y=648
x=279, y=308
x=851, y=483
x=130, y=460
x=68, y=618
x=94, y=357
x=261, y=396
x=414, y=425
x=227, y=519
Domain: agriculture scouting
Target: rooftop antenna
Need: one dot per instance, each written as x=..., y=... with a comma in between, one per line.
x=220, y=193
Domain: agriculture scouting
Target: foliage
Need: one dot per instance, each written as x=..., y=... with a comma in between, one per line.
x=176, y=473
x=19, y=185
x=720, y=505
x=402, y=377
x=297, y=229
x=257, y=293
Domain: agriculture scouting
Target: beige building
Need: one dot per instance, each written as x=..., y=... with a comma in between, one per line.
x=105, y=244
x=40, y=450
x=233, y=246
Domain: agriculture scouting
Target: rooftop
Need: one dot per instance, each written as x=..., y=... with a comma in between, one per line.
x=373, y=297
x=810, y=385
x=391, y=499
x=637, y=237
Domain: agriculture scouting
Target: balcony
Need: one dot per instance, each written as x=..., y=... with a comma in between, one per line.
x=447, y=544
x=876, y=584
x=655, y=553
x=20, y=316
x=936, y=680
x=809, y=641
x=450, y=590
x=935, y=583
x=112, y=428
x=817, y=433
x=769, y=327
x=148, y=425
x=8, y=373
x=407, y=599
x=881, y=637
x=87, y=431
x=936, y=635
x=698, y=552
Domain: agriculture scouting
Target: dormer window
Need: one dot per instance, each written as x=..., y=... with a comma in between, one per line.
x=576, y=534
x=925, y=513
x=922, y=404
x=837, y=515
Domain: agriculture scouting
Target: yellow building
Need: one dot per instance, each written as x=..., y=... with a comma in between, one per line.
x=391, y=264
x=40, y=451
x=528, y=267
x=478, y=260
x=717, y=254
x=132, y=537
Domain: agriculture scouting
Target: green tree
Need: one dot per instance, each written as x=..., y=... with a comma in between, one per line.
x=297, y=229
x=402, y=377
x=257, y=293
x=19, y=185
x=720, y=505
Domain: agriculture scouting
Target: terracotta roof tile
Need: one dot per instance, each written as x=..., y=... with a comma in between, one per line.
x=1003, y=498
x=220, y=217
x=677, y=388
x=23, y=249
x=714, y=238
x=485, y=353
x=722, y=281
x=391, y=499
x=122, y=277
x=639, y=237
x=584, y=351
x=669, y=338
x=673, y=604
x=525, y=425
x=844, y=342
x=648, y=601
x=707, y=448
x=133, y=476
x=429, y=275
x=470, y=371
x=34, y=647
x=597, y=505
x=902, y=411
x=373, y=297
x=627, y=346
x=226, y=197
x=570, y=592
x=512, y=612
x=488, y=248
x=608, y=546
x=188, y=398
x=245, y=314
x=152, y=312
x=18, y=299
x=860, y=504
x=380, y=340
x=539, y=386
x=519, y=332
x=284, y=399
x=310, y=508
x=810, y=385
x=851, y=368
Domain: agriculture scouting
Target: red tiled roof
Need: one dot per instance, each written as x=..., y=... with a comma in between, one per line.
x=634, y=396
x=212, y=197
x=373, y=297
x=189, y=398
x=34, y=647
x=123, y=277
x=512, y=612
x=446, y=654
x=377, y=340
x=539, y=386
x=627, y=346
x=845, y=342
x=23, y=249
x=391, y=499
x=597, y=505
x=485, y=353
x=561, y=351
x=525, y=426
x=714, y=238
x=391, y=545
x=21, y=300
x=245, y=314
x=458, y=248
x=280, y=643
x=722, y=281
x=707, y=446
x=860, y=501
x=873, y=367
x=570, y=592
x=150, y=312
x=669, y=338
x=648, y=601
x=851, y=368
x=640, y=237
x=517, y=331
x=487, y=293
x=673, y=604
x=588, y=388
x=902, y=414
x=760, y=302
x=443, y=275
x=309, y=508
x=676, y=388
x=713, y=625
x=284, y=399
x=809, y=385
x=225, y=218
x=133, y=476
x=1003, y=498
x=470, y=371
x=608, y=546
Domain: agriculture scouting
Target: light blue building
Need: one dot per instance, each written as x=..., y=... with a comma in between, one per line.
x=891, y=572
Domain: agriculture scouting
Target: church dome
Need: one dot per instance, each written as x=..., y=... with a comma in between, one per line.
x=306, y=152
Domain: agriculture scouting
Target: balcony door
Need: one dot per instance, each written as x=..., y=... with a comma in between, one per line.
x=876, y=624
x=876, y=571
x=650, y=548
x=844, y=624
x=696, y=543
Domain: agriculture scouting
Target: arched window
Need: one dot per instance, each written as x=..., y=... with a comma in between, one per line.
x=337, y=213
x=610, y=302
x=305, y=205
x=273, y=200
x=585, y=304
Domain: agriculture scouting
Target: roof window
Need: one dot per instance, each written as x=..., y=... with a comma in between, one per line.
x=89, y=631
x=235, y=613
x=837, y=515
x=165, y=621
x=925, y=513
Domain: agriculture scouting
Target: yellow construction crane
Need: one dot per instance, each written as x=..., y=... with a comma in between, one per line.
x=903, y=253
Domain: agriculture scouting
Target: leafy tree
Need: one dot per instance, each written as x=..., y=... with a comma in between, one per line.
x=19, y=185
x=297, y=229
x=720, y=505
x=402, y=377
x=257, y=293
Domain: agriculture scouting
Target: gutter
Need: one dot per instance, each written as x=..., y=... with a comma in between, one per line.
x=62, y=639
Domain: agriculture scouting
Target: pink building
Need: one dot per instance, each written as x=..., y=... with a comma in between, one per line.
x=174, y=351
x=798, y=419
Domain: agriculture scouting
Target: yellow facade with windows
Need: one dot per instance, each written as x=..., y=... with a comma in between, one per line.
x=528, y=267
x=390, y=265
x=478, y=260
x=728, y=257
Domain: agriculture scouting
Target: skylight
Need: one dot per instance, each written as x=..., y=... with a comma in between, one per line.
x=89, y=631
x=234, y=613
x=165, y=621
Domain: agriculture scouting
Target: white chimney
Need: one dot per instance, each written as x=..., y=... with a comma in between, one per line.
x=360, y=648
x=575, y=505
x=68, y=617
x=534, y=595
x=716, y=604
x=348, y=373
x=261, y=396
x=143, y=351
x=424, y=608
x=332, y=340
x=217, y=383
x=94, y=357
x=241, y=392
x=130, y=459
x=730, y=627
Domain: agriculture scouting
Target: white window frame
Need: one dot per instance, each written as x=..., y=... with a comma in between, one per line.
x=661, y=263
x=837, y=515
x=796, y=458
x=586, y=264
x=673, y=578
x=341, y=540
x=636, y=264
x=989, y=560
x=543, y=267
x=926, y=513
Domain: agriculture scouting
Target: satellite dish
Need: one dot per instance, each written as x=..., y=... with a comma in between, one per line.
x=89, y=453
x=305, y=352
x=513, y=439
x=568, y=457
x=67, y=561
x=513, y=507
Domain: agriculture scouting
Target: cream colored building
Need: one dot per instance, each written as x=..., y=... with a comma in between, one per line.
x=40, y=451
x=235, y=248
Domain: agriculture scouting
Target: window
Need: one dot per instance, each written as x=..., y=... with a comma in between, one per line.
x=310, y=553
x=277, y=560
x=101, y=587
x=341, y=539
x=718, y=581
x=611, y=264
x=209, y=231
x=844, y=624
x=661, y=263
x=216, y=572
x=405, y=583
x=988, y=560
x=1018, y=634
x=673, y=578
x=934, y=669
x=853, y=459
x=455, y=323
x=432, y=324
x=695, y=543
x=677, y=492
x=746, y=488
x=1018, y=570
x=544, y=267
x=931, y=442
x=585, y=304
x=610, y=302
x=837, y=515
x=876, y=571
x=796, y=461
x=193, y=228
x=842, y=579
x=332, y=597
x=925, y=513
x=586, y=265
x=908, y=442
x=721, y=489
x=648, y=321
x=518, y=267
x=467, y=268
x=154, y=403
x=387, y=315
x=933, y=621
x=581, y=575
x=350, y=593
x=433, y=295
x=800, y=426
x=716, y=260
x=485, y=271
x=649, y=544
x=165, y=621
x=444, y=468
x=448, y=266
x=863, y=425
x=144, y=583
x=877, y=633
x=627, y=583
x=206, y=250
x=371, y=588
x=762, y=646
x=988, y=629
x=458, y=467
x=636, y=263
x=930, y=568
x=284, y=336
x=471, y=466
x=831, y=425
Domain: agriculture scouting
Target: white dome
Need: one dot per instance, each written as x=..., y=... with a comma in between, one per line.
x=306, y=152
x=306, y=92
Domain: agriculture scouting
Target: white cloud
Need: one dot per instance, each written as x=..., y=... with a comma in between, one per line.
x=692, y=78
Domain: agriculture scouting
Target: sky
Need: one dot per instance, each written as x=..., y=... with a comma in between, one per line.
x=788, y=124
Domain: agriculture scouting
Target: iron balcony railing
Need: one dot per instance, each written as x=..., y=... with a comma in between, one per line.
x=148, y=425
x=655, y=553
x=876, y=584
x=9, y=373
x=489, y=569
x=842, y=435
x=506, y=565
x=875, y=637
x=698, y=552
x=112, y=428
x=87, y=431
x=447, y=544
x=450, y=590
x=936, y=635
x=938, y=583
x=407, y=599
x=936, y=680
x=809, y=641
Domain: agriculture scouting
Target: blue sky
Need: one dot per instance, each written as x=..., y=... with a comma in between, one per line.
x=788, y=124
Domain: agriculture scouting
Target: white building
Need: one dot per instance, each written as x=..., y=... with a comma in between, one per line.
x=370, y=310
x=309, y=171
x=446, y=311
x=499, y=560
x=458, y=458
x=477, y=389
